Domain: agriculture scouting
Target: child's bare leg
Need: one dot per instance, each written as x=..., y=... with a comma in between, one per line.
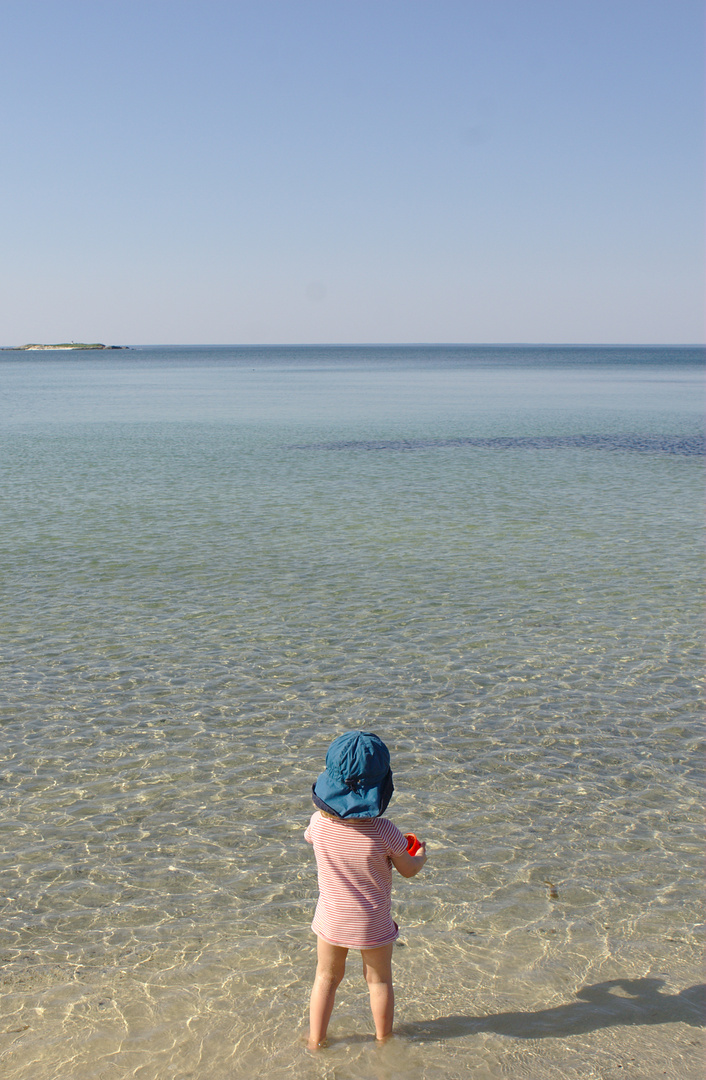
x=329, y=971
x=377, y=968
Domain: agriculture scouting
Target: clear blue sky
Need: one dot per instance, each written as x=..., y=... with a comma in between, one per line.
x=203, y=171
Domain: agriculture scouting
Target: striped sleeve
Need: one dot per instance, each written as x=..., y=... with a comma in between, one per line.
x=392, y=837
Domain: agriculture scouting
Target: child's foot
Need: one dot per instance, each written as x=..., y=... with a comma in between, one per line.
x=312, y=1047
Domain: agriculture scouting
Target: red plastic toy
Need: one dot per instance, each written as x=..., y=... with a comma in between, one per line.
x=413, y=845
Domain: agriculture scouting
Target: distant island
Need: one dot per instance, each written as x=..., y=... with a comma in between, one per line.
x=63, y=345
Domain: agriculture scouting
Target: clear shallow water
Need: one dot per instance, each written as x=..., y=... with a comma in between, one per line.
x=213, y=562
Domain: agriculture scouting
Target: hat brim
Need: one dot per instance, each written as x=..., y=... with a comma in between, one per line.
x=339, y=800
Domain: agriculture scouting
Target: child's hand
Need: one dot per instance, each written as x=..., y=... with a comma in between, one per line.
x=409, y=865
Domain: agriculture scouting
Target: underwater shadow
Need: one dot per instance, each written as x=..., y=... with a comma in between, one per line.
x=597, y=1008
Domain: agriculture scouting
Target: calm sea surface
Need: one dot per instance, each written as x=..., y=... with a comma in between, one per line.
x=216, y=560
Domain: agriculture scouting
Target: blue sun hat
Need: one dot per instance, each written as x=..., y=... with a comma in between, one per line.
x=358, y=778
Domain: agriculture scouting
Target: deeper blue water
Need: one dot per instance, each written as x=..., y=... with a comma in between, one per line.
x=216, y=559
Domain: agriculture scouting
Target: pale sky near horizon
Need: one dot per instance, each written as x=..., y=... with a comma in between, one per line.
x=294, y=171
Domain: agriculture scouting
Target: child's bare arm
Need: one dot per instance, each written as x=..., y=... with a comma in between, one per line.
x=409, y=865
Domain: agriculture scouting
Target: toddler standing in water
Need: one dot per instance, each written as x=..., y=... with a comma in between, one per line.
x=355, y=851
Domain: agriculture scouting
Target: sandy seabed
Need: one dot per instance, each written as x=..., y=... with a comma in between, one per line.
x=192, y=1015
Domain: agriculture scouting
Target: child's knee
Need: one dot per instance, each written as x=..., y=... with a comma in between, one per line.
x=376, y=978
x=329, y=980
x=331, y=973
x=330, y=962
x=378, y=975
x=377, y=966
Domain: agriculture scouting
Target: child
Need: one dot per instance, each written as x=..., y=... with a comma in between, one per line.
x=355, y=851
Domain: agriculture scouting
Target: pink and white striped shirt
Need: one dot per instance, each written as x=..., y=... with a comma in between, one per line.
x=355, y=879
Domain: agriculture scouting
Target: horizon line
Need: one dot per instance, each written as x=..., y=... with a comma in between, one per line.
x=375, y=344
x=418, y=344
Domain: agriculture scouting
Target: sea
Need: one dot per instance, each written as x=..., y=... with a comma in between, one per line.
x=215, y=560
